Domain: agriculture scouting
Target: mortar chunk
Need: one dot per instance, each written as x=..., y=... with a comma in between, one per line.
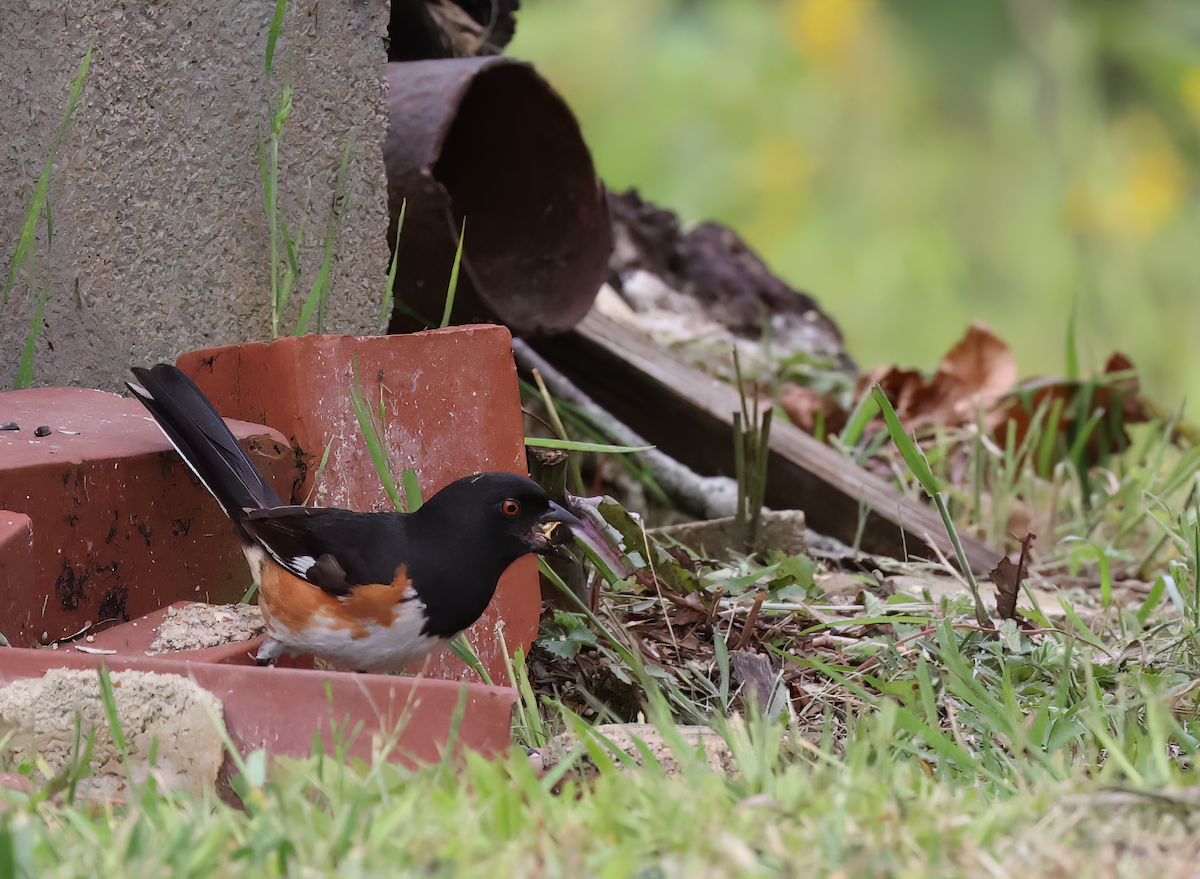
x=163, y=713
x=201, y=625
x=628, y=737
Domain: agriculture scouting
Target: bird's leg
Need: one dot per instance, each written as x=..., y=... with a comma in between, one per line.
x=270, y=651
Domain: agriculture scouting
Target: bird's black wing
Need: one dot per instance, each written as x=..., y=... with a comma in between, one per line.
x=333, y=549
x=202, y=439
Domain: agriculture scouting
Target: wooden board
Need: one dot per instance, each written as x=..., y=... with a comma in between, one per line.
x=689, y=415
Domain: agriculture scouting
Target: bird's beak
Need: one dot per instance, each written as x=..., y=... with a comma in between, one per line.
x=553, y=530
x=559, y=513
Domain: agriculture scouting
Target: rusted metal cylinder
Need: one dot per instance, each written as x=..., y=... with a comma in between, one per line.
x=488, y=139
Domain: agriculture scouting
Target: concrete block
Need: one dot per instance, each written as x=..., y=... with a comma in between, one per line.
x=161, y=240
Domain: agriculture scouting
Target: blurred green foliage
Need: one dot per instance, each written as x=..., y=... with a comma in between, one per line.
x=918, y=164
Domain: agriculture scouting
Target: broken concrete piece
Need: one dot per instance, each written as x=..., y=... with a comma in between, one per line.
x=199, y=625
x=716, y=538
x=161, y=238
x=164, y=714
x=630, y=737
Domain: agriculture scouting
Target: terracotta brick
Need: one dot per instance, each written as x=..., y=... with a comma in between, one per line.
x=16, y=558
x=451, y=408
x=280, y=709
x=121, y=527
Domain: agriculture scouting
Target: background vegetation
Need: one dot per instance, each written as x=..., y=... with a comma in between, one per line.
x=917, y=164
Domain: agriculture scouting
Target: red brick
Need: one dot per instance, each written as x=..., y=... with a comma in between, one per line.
x=120, y=526
x=452, y=408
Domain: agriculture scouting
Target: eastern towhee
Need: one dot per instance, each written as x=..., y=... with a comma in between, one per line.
x=365, y=591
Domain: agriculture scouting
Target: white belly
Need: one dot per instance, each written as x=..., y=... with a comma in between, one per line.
x=383, y=648
x=365, y=646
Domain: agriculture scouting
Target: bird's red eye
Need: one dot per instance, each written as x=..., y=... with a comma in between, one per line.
x=510, y=507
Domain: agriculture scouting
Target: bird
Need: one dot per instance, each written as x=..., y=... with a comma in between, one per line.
x=363, y=591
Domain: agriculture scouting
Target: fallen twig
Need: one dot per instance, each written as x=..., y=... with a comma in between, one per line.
x=705, y=497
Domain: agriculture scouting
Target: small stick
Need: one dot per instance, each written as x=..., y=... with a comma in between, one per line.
x=705, y=497
x=751, y=619
x=715, y=608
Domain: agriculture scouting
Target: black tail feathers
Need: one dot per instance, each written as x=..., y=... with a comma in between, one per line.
x=202, y=439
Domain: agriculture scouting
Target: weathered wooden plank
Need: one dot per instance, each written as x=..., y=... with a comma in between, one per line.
x=689, y=415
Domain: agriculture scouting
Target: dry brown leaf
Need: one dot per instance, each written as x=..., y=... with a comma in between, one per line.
x=1008, y=576
x=802, y=404
x=974, y=375
x=1122, y=392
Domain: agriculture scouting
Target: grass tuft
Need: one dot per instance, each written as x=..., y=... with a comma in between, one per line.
x=452, y=287
x=25, y=254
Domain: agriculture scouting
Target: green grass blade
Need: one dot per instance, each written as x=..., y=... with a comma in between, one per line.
x=386, y=304
x=270, y=160
x=920, y=468
x=412, y=489
x=908, y=449
x=452, y=288
x=541, y=442
x=1049, y=439
x=33, y=210
x=864, y=410
x=319, y=295
x=273, y=33
x=108, y=698
x=1072, y=354
x=373, y=436
x=1081, y=628
x=1153, y=597
x=24, y=377
x=462, y=648
x=320, y=471
x=1081, y=439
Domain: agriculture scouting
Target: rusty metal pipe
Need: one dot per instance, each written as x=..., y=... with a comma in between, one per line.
x=488, y=139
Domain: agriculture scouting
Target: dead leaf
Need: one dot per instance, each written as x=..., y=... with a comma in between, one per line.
x=1008, y=577
x=1118, y=397
x=755, y=675
x=974, y=375
x=802, y=405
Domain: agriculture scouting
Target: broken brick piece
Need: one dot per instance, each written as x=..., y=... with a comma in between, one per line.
x=120, y=525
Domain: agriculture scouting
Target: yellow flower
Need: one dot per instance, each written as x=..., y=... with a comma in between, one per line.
x=1147, y=189
x=778, y=171
x=1153, y=184
x=822, y=30
x=1189, y=93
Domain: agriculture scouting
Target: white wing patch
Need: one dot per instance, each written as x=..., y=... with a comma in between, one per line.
x=301, y=563
x=257, y=553
x=298, y=565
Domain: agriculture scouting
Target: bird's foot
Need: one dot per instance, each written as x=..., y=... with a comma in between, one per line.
x=269, y=652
